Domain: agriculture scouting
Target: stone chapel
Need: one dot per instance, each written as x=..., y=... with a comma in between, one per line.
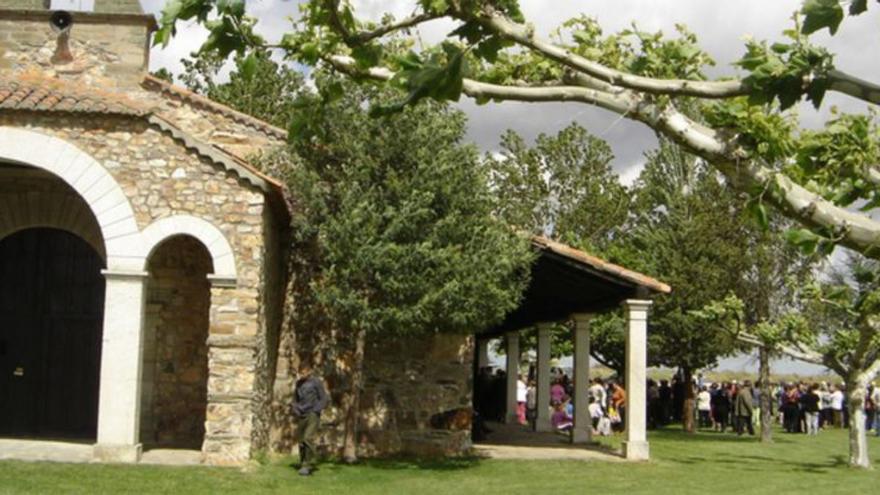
x=143, y=270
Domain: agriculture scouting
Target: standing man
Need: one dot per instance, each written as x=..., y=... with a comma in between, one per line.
x=875, y=397
x=742, y=409
x=310, y=399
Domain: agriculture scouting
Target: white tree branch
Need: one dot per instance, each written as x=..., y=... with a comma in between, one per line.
x=619, y=103
x=857, y=231
x=855, y=87
x=794, y=352
x=526, y=36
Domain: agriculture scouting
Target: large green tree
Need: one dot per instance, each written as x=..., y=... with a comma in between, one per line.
x=691, y=232
x=562, y=186
x=394, y=234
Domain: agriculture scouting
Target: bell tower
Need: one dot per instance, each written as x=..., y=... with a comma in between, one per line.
x=102, y=43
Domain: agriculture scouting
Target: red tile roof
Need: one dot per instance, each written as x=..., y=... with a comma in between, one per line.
x=35, y=93
x=599, y=264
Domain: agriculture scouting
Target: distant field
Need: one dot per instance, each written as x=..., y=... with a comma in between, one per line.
x=683, y=464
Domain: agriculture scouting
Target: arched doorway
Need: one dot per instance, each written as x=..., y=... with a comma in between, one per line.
x=175, y=369
x=51, y=317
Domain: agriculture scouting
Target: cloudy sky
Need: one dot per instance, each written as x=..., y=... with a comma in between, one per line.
x=721, y=27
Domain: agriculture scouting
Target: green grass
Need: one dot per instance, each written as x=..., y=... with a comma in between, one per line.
x=705, y=464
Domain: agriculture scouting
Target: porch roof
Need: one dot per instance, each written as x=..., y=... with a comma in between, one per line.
x=565, y=280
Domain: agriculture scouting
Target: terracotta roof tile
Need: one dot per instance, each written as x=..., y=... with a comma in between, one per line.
x=599, y=264
x=35, y=93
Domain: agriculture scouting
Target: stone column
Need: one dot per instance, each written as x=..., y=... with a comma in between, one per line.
x=121, y=367
x=635, y=447
x=583, y=427
x=232, y=366
x=482, y=353
x=542, y=392
x=512, y=351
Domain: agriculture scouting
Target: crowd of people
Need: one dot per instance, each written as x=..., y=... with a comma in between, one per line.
x=727, y=406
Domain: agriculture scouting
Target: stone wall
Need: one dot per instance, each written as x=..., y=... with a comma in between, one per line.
x=105, y=55
x=416, y=398
x=175, y=345
x=161, y=178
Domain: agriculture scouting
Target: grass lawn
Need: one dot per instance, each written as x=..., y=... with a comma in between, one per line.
x=704, y=464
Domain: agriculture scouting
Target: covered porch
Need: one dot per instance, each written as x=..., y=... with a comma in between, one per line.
x=569, y=285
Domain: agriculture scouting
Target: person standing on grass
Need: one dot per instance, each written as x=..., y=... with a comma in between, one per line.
x=522, y=392
x=310, y=398
x=810, y=405
x=720, y=407
x=837, y=406
x=704, y=406
x=742, y=409
x=875, y=397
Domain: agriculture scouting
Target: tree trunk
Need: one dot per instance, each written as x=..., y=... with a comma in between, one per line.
x=687, y=413
x=352, y=402
x=858, y=441
x=766, y=399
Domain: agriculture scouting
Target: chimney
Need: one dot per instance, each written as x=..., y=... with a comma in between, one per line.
x=103, y=43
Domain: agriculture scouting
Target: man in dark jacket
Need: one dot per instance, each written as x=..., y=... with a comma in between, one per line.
x=310, y=399
x=742, y=408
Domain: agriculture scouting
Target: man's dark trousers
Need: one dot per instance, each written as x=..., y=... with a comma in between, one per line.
x=742, y=422
x=306, y=431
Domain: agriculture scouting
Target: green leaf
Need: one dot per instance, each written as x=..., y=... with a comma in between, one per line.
x=806, y=240
x=759, y=214
x=820, y=14
x=248, y=67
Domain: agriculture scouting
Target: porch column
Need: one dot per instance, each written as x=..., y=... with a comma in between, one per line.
x=121, y=367
x=512, y=352
x=583, y=426
x=542, y=392
x=482, y=353
x=635, y=446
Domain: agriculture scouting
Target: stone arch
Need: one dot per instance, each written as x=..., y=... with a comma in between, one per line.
x=57, y=209
x=209, y=235
x=100, y=191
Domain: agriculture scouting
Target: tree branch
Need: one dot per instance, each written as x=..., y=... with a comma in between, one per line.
x=853, y=86
x=858, y=232
x=525, y=36
x=794, y=352
x=620, y=103
x=365, y=36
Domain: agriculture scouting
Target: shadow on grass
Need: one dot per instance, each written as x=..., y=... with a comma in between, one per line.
x=401, y=463
x=711, y=436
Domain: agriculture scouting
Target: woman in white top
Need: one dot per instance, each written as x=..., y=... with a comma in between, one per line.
x=521, y=396
x=704, y=406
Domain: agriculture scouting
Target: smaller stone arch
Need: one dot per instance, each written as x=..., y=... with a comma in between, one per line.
x=209, y=235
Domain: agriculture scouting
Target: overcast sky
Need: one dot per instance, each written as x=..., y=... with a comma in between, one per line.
x=721, y=27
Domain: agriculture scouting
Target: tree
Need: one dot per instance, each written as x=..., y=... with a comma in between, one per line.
x=749, y=134
x=771, y=303
x=839, y=329
x=257, y=85
x=690, y=231
x=562, y=187
x=393, y=232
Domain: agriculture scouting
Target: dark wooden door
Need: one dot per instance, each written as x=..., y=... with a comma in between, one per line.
x=51, y=315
